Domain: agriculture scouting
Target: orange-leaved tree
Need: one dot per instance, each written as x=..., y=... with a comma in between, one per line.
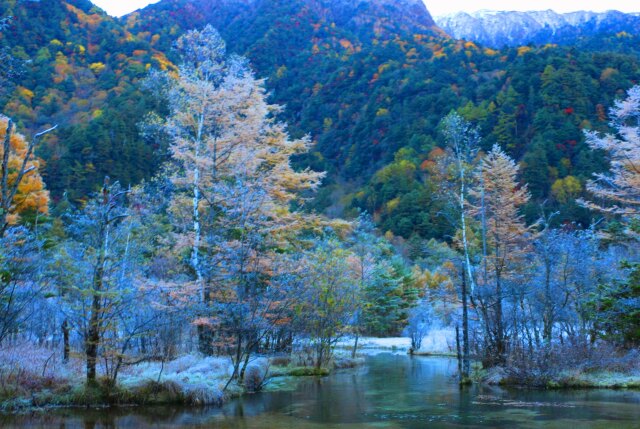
x=505, y=238
x=21, y=187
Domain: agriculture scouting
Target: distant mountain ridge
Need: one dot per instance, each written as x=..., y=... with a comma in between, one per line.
x=511, y=28
x=356, y=16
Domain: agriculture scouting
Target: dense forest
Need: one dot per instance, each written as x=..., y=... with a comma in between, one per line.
x=253, y=187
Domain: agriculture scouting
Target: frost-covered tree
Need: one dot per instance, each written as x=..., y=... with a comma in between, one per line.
x=235, y=189
x=198, y=108
x=255, y=222
x=105, y=294
x=208, y=104
x=456, y=168
x=421, y=320
x=21, y=272
x=618, y=191
x=463, y=143
x=91, y=273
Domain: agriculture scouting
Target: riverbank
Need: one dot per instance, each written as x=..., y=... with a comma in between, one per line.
x=439, y=342
x=395, y=390
x=570, y=379
x=597, y=366
x=597, y=380
x=34, y=377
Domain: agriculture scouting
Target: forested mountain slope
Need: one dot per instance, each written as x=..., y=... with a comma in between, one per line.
x=369, y=80
x=321, y=59
x=373, y=100
x=82, y=71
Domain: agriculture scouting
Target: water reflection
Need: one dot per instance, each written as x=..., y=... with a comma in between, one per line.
x=391, y=391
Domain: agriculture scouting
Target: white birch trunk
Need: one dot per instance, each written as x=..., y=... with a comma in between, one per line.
x=195, y=257
x=463, y=224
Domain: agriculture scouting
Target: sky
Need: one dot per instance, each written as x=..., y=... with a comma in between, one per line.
x=441, y=7
x=121, y=7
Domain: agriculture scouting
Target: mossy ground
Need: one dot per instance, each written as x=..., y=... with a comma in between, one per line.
x=597, y=380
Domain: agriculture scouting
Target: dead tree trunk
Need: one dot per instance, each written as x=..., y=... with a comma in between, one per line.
x=465, y=330
x=96, y=319
x=65, y=339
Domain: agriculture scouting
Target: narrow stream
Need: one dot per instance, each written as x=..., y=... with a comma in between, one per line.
x=390, y=391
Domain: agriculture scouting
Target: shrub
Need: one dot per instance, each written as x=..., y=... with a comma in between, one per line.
x=568, y=362
x=254, y=378
x=165, y=392
x=203, y=394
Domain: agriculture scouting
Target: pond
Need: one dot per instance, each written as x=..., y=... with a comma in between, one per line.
x=390, y=391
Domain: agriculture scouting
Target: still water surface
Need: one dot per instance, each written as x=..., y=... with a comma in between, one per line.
x=391, y=391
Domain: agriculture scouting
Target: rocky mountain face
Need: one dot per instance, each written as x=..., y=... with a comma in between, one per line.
x=498, y=29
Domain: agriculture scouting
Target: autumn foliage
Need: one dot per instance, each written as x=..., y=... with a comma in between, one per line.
x=31, y=196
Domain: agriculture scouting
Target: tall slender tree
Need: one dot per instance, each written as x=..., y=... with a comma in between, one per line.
x=201, y=107
x=460, y=158
x=504, y=232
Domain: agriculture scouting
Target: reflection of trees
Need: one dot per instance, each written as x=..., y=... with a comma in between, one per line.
x=409, y=392
x=339, y=398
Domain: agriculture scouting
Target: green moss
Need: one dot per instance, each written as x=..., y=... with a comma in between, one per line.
x=101, y=392
x=478, y=374
x=305, y=371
